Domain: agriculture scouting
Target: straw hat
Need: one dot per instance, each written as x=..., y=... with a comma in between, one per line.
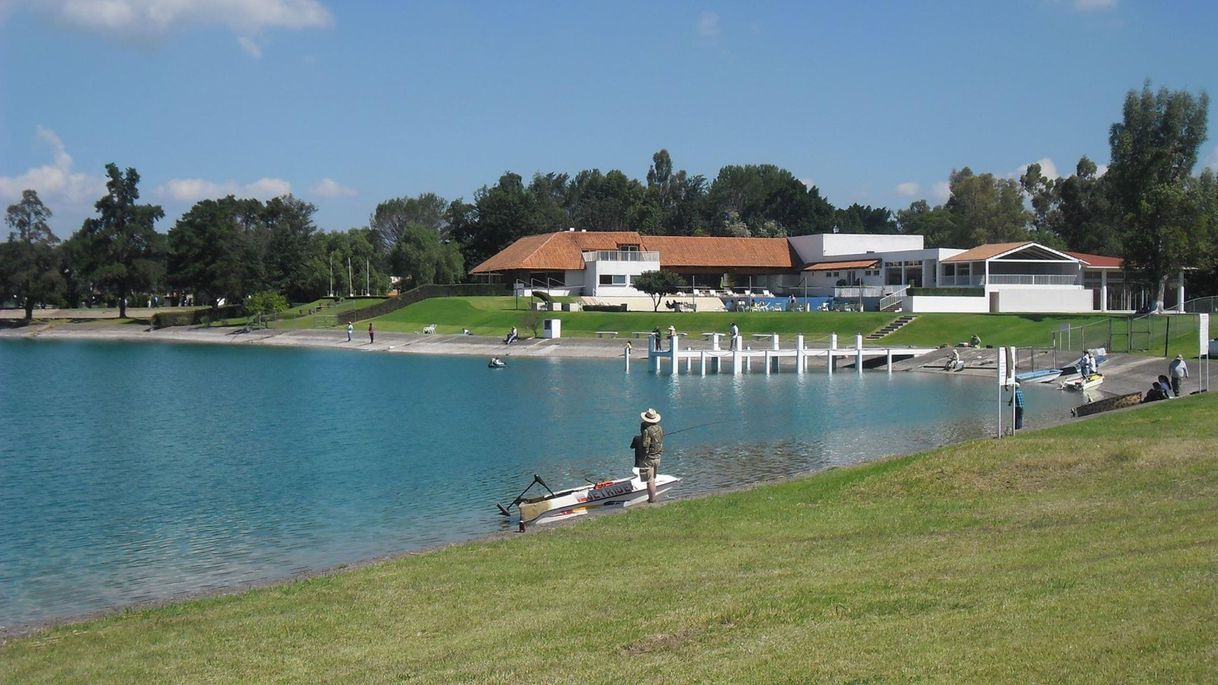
x=650, y=416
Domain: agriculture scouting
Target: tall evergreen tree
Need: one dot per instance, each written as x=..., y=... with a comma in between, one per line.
x=29, y=261
x=122, y=254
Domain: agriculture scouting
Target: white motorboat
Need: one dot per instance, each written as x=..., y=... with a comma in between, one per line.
x=577, y=501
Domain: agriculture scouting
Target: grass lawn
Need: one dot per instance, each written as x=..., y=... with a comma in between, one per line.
x=320, y=313
x=1020, y=330
x=1083, y=553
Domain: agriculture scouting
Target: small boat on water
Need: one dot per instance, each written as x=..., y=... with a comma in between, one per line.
x=496, y=363
x=1079, y=384
x=577, y=501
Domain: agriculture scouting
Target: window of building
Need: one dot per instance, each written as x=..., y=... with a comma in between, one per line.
x=628, y=248
x=613, y=279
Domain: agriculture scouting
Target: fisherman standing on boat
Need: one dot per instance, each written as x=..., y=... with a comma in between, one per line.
x=648, y=447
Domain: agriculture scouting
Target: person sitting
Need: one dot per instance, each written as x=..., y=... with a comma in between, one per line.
x=511, y=336
x=1154, y=394
x=1166, y=386
x=495, y=362
x=953, y=362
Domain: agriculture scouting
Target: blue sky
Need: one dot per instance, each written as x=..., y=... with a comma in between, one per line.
x=349, y=104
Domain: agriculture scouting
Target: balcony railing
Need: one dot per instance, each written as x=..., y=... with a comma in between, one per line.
x=621, y=256
x=1032, y=279
x=1008, y=279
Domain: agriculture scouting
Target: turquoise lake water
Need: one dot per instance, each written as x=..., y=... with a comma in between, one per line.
x=138, y=472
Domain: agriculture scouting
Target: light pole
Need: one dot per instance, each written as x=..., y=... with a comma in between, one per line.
x=331, y=275
x=350, y=286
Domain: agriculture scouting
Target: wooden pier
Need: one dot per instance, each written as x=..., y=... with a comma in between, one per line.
x=772, y=358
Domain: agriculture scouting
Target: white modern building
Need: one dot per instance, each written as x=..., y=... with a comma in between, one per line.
x=890, y=272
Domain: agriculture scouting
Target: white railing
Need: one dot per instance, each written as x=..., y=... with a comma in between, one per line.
x=621, y=256
x=1032, y=279
x=893, y=298
x=857, y=291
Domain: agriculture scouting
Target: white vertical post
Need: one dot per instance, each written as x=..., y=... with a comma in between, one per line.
x=626, y=354
x=830, y=357
x=702, y=363
x=1180, y=293
x=799, y=354
x=736, y=368
x=773, y=341
x=748, y=360
x=767, y=362
x=858, y=352
x=674, y=345
x=888, y=360
x=1103, y=291
x=689, y=362
x=715, y=341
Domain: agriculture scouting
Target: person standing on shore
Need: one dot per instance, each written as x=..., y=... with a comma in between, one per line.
x=648, y=448
x=350, y=330
x=733, y=332
x=1177, y=370
x=371, y=334
x=1017, y=400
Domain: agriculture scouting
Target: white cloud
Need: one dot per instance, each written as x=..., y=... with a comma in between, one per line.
x=908, y=189
x=192, y=190
x=328, y=187
x=708, y=25
x=1048, y=169
x=941, y=191
x=1094, y=5
x=57, y=183
x=154, y=19
x=250, y=46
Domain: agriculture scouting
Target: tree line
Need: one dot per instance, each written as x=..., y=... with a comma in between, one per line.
x=1149, y=207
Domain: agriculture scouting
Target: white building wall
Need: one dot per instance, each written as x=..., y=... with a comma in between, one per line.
x=595, y=269
x=1044, y=300
x=921, y=304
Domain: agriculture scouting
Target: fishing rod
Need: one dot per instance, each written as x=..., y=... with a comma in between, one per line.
x=701, y=425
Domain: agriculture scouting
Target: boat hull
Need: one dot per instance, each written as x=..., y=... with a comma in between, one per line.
x=579, y=501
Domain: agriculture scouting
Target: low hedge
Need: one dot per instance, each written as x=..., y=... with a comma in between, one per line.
x=604, y=308
x=195, y=317
x=946, y=292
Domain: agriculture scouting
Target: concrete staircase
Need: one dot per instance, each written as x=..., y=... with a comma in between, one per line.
x=895, y=325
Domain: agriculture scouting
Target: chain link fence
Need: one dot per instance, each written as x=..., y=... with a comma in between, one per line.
x=1154, y=334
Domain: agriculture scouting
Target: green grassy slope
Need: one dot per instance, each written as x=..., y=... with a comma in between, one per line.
x=1084, y=553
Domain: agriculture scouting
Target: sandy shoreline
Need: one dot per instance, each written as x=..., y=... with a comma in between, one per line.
x=405, y=343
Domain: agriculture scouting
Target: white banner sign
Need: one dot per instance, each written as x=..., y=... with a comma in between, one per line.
x=1203, y=334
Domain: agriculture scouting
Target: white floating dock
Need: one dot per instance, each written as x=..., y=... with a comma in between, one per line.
x=772, y=357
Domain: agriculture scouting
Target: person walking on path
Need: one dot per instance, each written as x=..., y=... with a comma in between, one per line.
x=1177, y=370
x=371, y=334
x=350, y=330
x=733, y=332
x=1017, y=400
x=648, y=448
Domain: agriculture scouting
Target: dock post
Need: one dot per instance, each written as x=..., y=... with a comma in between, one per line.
x=653, y=353
x=830, y=357
x=674, y=345
x=799, y=353
x=767, y=362
x=889, y=361
x=626, y=354
x=702, y=363
x=858, y=352
x=748, y=360
x=773, y=341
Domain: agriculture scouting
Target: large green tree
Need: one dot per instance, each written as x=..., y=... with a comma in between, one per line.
x=121, y=252
x=29, y=261
x=420, y=257
x=985, y=209
x=768, y=199
x=657, y=284
x=1072, y=212
x=1160, y=208
x=214, y=250
x=392, y=217
x=295, y=264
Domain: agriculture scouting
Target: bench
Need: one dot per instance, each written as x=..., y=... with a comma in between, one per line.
x=606, y=334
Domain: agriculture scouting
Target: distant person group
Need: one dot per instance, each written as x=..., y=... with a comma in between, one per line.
x=1166, y=388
